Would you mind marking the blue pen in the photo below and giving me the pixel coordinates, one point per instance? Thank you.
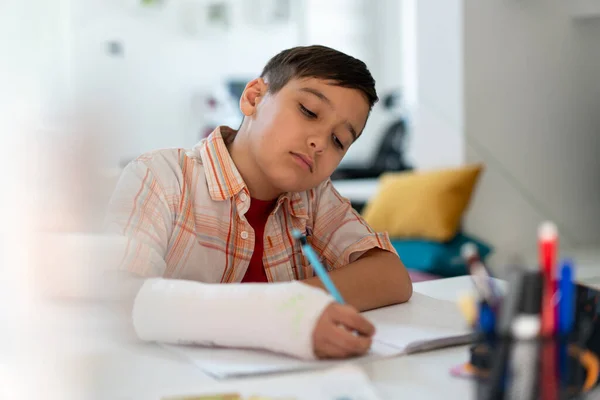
(566, 314)
(487, 319)
(318, 267)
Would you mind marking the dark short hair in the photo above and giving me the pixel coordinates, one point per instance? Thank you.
(319, 62)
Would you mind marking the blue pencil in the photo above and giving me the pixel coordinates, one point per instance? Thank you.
(318, 267)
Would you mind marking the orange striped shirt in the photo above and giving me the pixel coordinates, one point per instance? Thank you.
(182, 212)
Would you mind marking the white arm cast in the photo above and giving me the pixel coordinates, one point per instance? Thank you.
(275, 316)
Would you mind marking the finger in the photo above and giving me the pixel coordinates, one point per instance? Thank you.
(332, 350)
(335, 341)
(322, 344)
(351, 319)
(325, 347)
(354, 345)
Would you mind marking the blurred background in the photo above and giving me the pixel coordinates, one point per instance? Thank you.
(513, 86)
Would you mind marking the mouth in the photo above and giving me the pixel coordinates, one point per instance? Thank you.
(304, 161)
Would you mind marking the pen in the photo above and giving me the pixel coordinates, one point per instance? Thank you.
(525, 330)
(508, 310)
(486, 325)
(566, 314)
(479, 274)
(511, 302)
(318, 267)
(567, 298)
(487, 320)
(548, 243)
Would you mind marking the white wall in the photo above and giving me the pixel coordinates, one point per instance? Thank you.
(515, 85)
(369, 31)
(433, 81)
(35, 55)
(387, 26)
(341, 24)
(532, 101)
(145, 97)
(148, 92)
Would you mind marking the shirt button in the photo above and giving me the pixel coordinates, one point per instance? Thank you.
(244, 235)
(243, 197)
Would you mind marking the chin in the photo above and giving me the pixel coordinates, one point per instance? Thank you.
(293, 183)
(289, 187)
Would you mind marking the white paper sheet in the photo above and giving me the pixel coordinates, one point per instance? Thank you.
(423, 323)
(229, 363)
(345, 382)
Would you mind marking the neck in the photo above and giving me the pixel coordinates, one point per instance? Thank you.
(248, 168)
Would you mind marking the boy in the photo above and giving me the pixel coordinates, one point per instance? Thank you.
(224, 211)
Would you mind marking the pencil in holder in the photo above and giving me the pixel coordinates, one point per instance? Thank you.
(551, 368)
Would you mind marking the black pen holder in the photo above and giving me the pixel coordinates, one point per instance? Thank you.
(549, 368)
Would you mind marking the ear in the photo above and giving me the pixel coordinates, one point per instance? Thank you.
(253, 93)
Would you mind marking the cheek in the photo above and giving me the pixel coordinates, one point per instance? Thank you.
(284, 133)
(275, 113)
(271, 140)
(330, 163)
(286, 121)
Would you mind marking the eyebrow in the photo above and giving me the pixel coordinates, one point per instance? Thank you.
(324, 98)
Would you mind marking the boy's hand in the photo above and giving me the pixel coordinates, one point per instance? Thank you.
(333, 336)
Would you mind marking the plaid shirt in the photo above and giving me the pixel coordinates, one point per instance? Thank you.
(183, 215)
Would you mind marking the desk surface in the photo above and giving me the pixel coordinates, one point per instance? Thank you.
(84, 351)
(357, 190)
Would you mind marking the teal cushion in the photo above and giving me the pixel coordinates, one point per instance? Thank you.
(438, 258)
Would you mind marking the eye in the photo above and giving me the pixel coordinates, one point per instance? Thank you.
(337, 142)
(307, 112)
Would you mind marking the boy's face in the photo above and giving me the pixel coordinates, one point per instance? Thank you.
(300, 134)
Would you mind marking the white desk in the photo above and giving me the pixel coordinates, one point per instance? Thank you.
(357, 190)
(84, 351)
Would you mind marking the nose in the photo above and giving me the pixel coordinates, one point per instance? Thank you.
(317, 142)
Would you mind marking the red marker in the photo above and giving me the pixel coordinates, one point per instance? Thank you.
(548, 245)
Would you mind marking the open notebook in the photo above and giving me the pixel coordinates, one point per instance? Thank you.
(342, 382)
(422, 324)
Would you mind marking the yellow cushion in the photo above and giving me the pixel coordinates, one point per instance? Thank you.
(422, 204)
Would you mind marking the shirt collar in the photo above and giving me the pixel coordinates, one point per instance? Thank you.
(224, 180)
(222, 176)
(296, 204)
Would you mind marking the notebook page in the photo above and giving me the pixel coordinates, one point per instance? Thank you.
(343, 382)
(230, 362)
(422, 323)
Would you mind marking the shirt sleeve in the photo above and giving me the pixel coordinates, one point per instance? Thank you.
(138, 210)
(340, 234)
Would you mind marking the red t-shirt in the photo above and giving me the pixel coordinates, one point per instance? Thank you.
(257, 216)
